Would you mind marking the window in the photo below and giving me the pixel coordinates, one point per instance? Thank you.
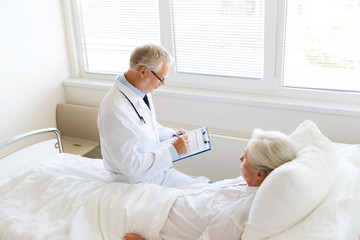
(211, 37)
(322, 45)
(110, 30)
(243, 45)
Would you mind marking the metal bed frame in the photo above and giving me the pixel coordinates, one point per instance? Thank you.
(34, 133)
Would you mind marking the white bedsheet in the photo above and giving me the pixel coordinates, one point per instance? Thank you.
(71, 197)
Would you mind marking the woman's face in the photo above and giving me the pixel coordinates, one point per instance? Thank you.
(248, 171)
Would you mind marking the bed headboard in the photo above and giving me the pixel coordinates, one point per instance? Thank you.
(26, 149)
(27, 139)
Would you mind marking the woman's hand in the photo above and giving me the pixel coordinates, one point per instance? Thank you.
(133, 236)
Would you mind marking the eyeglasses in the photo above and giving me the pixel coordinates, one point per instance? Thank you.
(161, 80)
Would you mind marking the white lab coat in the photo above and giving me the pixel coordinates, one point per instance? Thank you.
(130, 148)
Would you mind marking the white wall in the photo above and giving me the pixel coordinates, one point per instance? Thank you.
(221, 162)
(235, 115)
(33, 64)
(229, 118)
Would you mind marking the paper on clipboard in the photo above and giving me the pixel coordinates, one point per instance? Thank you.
(199, 143)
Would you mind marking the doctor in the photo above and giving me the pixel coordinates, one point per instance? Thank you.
(130, 136)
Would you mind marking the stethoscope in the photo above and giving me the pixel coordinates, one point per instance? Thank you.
(141, 118)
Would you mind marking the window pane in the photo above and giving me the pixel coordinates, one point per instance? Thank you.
(110, 30)
(222, 37)
(322, 45)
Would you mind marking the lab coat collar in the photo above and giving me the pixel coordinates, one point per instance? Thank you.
(133, 97)
(122, 79)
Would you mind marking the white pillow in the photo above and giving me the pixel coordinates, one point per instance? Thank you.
(294, 189)
(337, 216)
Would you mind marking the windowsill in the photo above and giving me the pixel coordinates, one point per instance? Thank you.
(296, 104)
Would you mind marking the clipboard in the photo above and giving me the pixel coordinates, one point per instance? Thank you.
(199, 143)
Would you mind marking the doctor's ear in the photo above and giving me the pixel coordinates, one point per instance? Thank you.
(142, 71)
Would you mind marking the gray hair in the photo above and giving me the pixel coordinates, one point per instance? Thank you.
(151, 56)
(270, 149)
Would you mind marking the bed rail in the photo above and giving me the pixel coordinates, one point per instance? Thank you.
(34, 133)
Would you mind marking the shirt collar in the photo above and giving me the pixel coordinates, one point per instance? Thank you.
(121, 78)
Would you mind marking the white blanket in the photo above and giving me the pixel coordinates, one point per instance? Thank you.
(71, 197)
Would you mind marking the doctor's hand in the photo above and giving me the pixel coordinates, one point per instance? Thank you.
(181, 132)
(181, 143)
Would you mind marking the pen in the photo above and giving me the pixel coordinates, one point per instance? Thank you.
(175, 135)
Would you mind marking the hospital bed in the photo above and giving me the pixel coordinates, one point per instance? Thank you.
(48, 194)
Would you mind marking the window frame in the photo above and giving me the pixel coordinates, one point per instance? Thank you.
(269, 86)
(211, 82)
(323, 96)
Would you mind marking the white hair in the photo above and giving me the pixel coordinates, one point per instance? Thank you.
(151, 56)
(270, 149)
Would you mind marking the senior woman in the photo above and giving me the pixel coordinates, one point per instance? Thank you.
(220, 210)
